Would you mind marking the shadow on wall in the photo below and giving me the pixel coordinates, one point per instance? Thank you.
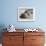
(2, 26)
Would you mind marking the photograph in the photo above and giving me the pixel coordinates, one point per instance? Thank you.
(26, 14)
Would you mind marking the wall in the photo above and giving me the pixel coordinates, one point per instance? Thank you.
(8, 13)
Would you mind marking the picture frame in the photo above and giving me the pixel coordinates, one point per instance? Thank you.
(26, 14)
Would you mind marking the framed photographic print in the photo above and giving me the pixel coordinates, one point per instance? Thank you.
(26, 14)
